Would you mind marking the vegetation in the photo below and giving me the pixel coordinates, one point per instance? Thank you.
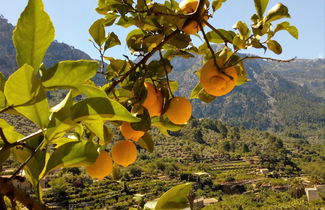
(81, 130)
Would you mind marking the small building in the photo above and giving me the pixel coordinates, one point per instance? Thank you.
(209, 201)
(313, 193)
(264, 171)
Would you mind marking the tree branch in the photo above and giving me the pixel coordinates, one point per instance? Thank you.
(9, 190)
(143, 61)
(267, 58)
(26, 161)
(217, 32)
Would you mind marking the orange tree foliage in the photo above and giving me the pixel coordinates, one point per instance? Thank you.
(138, 94)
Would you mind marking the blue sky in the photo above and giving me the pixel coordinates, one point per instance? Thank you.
(72, 19)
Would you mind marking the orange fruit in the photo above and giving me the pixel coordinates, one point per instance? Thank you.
(129, 133)
(154, 100)
(216, 83)
(102, 167)
(124, 153)
(188, 7)
(179, 110)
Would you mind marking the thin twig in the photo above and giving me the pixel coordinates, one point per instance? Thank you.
(267, 58)
(209, 46)
(166, 72)
(26, 161)
(102, 65)
(216, 30)
(3, 137)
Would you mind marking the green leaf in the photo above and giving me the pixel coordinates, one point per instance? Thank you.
(163, 124)
(3, 102)
(36, 164)
(238, 42)
(91, 91)
(277, 12)
(37, 112)
(98, 128)
(200, 93)
(23, 90)
(243, 30)
(69, 73)
(22, 86)
(60, 119)
(158, 68)
(145, 123)
(274, 46)
(2, 81)
(175, 198)
(214, 37)
(146, 142)
(242, 74)
(180, 41)
(216, 4)
(134, 40)
(260, 6)
(112, 40)
(101, 109)
(33, 35)
(97, 31)
(72, 154)
(9, 131)
(110, 18)
(286, 26)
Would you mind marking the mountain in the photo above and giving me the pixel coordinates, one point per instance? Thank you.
(277, 97)
(305, 72)
(268, 101)
(56, 52)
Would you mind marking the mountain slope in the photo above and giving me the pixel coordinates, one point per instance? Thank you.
(267, 101)
(56, 52)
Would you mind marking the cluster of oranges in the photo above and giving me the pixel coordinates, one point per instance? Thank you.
(214, 80)
(124, 152)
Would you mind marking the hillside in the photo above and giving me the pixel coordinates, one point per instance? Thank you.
(309, 73)
(268, 101)
(56, 52)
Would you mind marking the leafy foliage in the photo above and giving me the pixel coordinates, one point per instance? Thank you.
(67, 137)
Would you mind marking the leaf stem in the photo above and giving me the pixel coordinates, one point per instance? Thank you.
(166, 72)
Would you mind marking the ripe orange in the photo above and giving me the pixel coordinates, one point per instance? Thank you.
(179, 110)
(102, 167)
(154, 100)
(188, 7)
(124, 153)
(216, 83)
(129, 133)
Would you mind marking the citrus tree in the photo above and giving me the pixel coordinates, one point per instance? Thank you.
(138, 94)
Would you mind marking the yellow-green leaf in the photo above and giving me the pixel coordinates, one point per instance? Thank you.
(97, 31)
(175, 198)
(69, 73)
(33, 34)
(277, 12)
(260, 6)
(274, 46)
(101, 109)
(9, 131)
(71, 154)
(22, 86)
